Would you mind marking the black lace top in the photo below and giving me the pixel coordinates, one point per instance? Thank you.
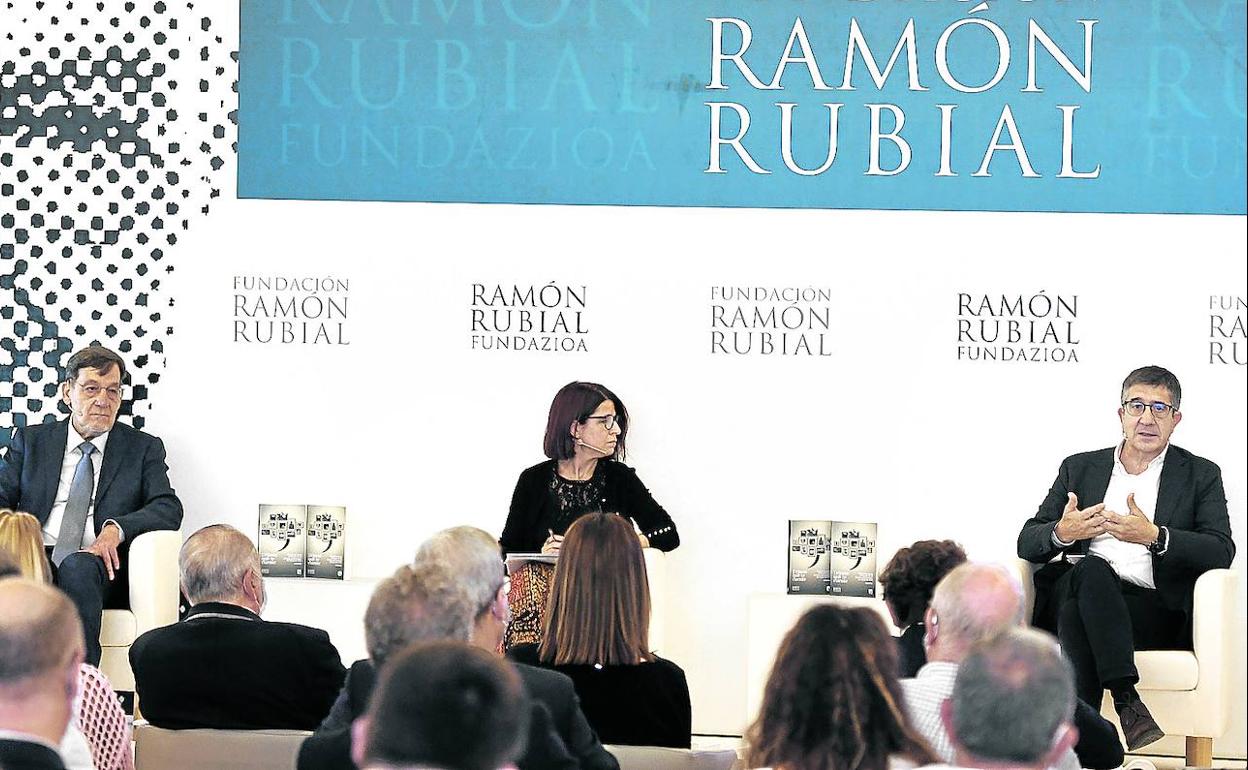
(574, 499)
(546, 502)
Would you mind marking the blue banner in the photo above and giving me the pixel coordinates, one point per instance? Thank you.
(1010, 105)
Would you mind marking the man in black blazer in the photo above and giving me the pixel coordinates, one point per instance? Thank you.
(40, 658)
(223, 666)
(94, 484)
(1141, 521)
(456, 590)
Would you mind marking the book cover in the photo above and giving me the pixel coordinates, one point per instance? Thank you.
(809, 557)
(281, 542)
(326, 543)
(853, 558)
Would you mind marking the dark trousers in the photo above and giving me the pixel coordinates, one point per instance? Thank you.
(83, 578)
(1102, 621)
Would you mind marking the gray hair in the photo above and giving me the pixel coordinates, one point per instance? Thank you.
(975, 602)
(39, 631)
(214, 561)
(1012, 695)
(419, 602)
(473, 556)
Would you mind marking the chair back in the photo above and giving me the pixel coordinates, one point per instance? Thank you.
(156, 748)
(662, 758)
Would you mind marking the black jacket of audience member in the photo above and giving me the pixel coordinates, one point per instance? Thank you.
(223, 667)
(642, 705)
(28, 755)
(558, 720)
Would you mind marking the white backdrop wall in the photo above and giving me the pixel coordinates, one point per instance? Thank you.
(413, 430)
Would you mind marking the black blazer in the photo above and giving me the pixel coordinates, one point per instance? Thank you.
(1190, 503)
(134, 487)
(28, 755)
(549, 746)
(224, 667)
(533, 508)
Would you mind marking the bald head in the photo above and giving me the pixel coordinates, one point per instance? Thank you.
(40, 634)
(972, 603)
(218, 564)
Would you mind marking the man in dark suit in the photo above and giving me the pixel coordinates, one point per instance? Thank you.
(418, 603)
(443, 704)
(94, 484)
(1153, 519)
(40, 655)
(456, 590)
(223, 666)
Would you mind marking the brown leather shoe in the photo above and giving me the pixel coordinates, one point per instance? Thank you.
(1138, 725)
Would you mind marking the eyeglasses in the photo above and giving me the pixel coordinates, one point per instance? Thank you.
(609, 421)
(92, 391)
(1136, 407)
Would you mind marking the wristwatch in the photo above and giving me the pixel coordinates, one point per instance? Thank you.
(1159, 546)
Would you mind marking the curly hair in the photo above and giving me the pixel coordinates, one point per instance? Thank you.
(833, 701)
(912, 574)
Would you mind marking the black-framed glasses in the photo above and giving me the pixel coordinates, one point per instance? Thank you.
(1135, 407)
(609, 421)
(91, 391)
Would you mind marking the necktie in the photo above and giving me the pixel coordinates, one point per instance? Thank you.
(74, 520)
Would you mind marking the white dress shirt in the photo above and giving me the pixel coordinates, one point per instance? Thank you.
(1132, 561)
(69, 462)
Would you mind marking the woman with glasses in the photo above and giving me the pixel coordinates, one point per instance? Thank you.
(585, 433)
(833, 701)
(597, 632)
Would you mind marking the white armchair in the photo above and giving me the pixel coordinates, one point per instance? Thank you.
(1188, 693)
(153, 565)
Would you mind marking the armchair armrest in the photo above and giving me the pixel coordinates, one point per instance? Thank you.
(1213, 637)
(153, 564)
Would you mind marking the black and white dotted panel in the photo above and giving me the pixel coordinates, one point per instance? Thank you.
(116, 132)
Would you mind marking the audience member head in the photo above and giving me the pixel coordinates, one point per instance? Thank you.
(599, 606)
(1013, 702)
(92, 389)
(220, 564)
(41, 652)
(418, 603)
(21, 537)
(472, 556)
(972, 603)
(572, 406)
(833, 701)
(444, 704)
(912, 574)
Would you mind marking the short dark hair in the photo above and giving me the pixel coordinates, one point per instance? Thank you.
(1012, 694)
(575, 402)
(93, 357)
(1156, 376)
(912, 574)
(449, 705)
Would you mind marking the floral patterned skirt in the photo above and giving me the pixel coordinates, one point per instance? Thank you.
(530, 587)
